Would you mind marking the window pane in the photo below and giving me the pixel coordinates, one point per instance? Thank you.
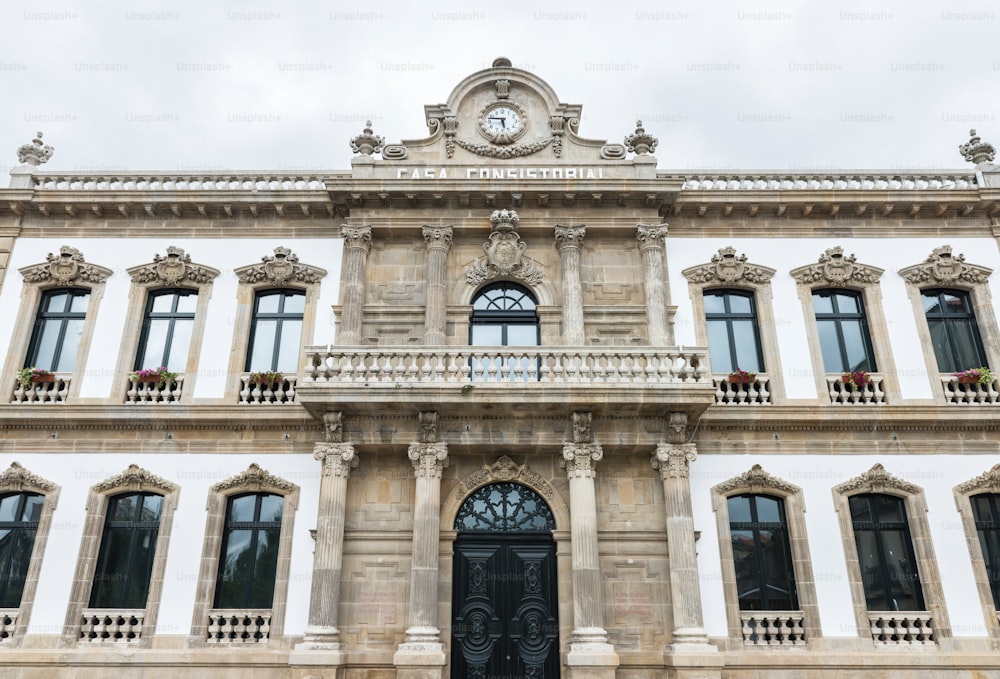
(177, 361)
(295, 303)
(235, 569)
(242, 508)
(79, 303)
(822, 303)
(8, 507)
(832, 360)
(854, 345)
(55, 302)
(487, 335)
(263, 345)
(271, 507)
(767, 510)
(163, 304)
(187, 302)
(112, 568)
(124, 508)
(739, 304)
(904, 584)
(262, 594)
(739, 509)
(748, 583)
(522, 335)
(288, 353)
(151, 507)
(966, 345)
(715, 304)
(268, 303)
(15, 555)
(71, 342)
(45, 350)
(745, 336)
(718, 347)
(156, 340)
(847, 304)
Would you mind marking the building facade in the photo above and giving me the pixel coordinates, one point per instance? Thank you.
(500, 402)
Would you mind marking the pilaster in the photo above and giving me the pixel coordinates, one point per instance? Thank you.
(357, 243)
(651, 239)
(569, 239)
(438, 241)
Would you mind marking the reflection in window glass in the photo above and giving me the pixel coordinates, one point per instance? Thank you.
(128, 545)
(885, 553)
(276, 331)
(954, 331)
(765, 580)
(166, 330)
(55, 338)
(843, 331)
(19, 516)
(733, 337)
(249, 558)
(986, 513)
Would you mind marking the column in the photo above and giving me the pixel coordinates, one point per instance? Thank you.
(422, 651)
(438, 240)
(650, 239)
(568, 241)
(590, 654)
(357, 242)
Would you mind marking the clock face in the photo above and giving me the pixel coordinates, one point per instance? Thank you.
(502, 120)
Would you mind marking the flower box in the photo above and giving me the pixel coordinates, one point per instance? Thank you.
(268, 379)
(968, 379)
(742, 379)
(43, 378)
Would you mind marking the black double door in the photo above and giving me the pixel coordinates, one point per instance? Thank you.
(505, 604)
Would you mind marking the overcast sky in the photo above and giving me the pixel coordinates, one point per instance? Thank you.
(187, 85)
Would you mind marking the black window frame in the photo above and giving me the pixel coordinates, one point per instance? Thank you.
(279, 316)
(43, 316)
(884, 573)
(137, 530)
(838, 317)
(173, 316)
(988, 532)
(507, 310)
(948, 321)
(8, 560)
(755, 526)
(256, 527)
(728, 317)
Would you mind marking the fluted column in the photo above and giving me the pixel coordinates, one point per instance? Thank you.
(589, 647)
(673, 462)
(438, 240)
(650, 239)
(357, 243)
(568, 240)
(422, 646)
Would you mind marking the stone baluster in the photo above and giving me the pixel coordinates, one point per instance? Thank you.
(422, 649)
(569, 240)
(590, 653)
(438, 241)
(357, 241)
(654, 266)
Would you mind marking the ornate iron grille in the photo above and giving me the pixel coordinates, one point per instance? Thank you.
(505, 507)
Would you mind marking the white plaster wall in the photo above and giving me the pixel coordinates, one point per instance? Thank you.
(77, 472)
(817, 475)
(119, 254)
(891, 254)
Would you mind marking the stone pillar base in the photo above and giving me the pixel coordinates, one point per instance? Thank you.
(691, 640)
(694, 660)
(320, 639)
(419, 660)
(591, 660)
(318, 658)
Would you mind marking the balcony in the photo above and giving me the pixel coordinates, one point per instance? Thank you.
(55, 391)
(280, 393)
(958, 393)
(507, 380)
(844, 394)
(755, 393)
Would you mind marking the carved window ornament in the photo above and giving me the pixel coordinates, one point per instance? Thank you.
(987, 482)
(756, 481)
(834, 268)
(17, 479)
(279, 269)
(504, 254)
(504, 469)
(135, 479)
(172, 269)
(66, 268)
(254, 479)
(943, 268)
(876, 480)
(728, 268)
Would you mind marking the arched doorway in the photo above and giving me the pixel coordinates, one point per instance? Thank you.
(504, 593)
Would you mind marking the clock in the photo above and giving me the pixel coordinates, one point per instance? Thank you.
(502, 122)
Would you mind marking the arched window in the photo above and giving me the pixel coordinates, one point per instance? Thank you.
(19, 517)
(885, 553)
(58, 328)
(276, 331)
(505, 507)
(249, 557)
(762, 556)
(504, 314)
(954, 331)
(733, 337)
(986, 512)
(843, 331)
(166, 329)
(128, 546)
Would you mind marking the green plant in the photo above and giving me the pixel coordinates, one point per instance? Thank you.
(981, 375)
(466, 388)
(858, 379)
(159, 375)
(25, 376)
(268, 377)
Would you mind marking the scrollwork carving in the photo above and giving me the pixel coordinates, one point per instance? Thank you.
(673, 460)
(135, 477)
(876, 480)
(65, 268)
(279, 269)
(357, 236)
(651, 235)
(837, 269)
(17, 478)
(756, 480)
(176, 267)
(941, 266)
(429, 459)
(253, 478)
(987, 481)
(338, 459)
(727, 268)
(503, 152)
(580, 459)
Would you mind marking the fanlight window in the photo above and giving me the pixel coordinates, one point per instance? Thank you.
(505, 507)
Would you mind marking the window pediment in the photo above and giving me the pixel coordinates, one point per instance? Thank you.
(876, 480)
(176, 267)
(988, 481)
(727, 268)
(17, 478)
(135, 478)
(254, 478)
(943, 268)
(834, 268)
(756, 480)
(280, 268)
(66, 268)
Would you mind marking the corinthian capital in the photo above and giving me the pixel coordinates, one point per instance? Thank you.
(357, 236)
(650, 235)
(429, 459)
(579, 459)
(673, 460)
(437, 237)
(338, 459)
(570, 236)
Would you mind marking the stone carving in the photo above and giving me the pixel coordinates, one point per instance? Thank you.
(974, 151)
(65, 268)
(613, 151)
(727, 268)
(429, 459)
(835, 268)
(35, 153)
(504, 253)
(988, 481)
(650, 235)
(135, 477)
(503, 152)
(338, 459)
(504, 469)
(367, 142)
(450, 124)
(943, 267)
(673, 460)
(280, 268)
(16, 478)
(876, 480)
(394, 152)
(582, 429)
(677, 427)
(639, 142)
(254, 478)
(570, 236)
(756, 479)
(557, 125)
(503, 88)
(579, 459)
(437, 236)
(175, 268)
(428, 426)
(357, 236)
(333, 423)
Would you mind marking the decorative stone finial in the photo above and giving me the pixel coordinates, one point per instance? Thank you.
(367, 142)
(504, 220)
(639, 142)
(976, 150)
(34, 153)
(502, 62)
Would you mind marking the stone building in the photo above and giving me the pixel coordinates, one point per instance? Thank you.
(500, 402)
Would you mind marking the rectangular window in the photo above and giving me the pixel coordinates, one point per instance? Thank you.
(128, 545)
(843, 331)
(885, 553)
(55, 338)
(954, 332)
(19, 517)
(733, 337)
(249, 558)
(276, 331)
(166, 330)
(762, 558)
